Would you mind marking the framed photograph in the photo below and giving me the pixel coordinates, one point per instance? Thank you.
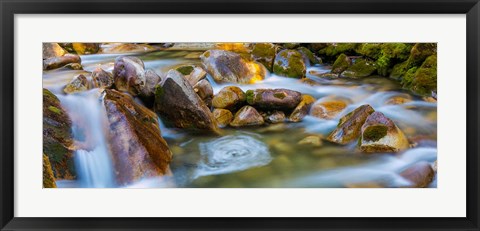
(239, 115)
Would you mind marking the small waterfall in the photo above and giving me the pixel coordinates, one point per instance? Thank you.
(92, 158)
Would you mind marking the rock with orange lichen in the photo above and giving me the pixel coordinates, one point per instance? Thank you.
(227, 66)
(136, 144)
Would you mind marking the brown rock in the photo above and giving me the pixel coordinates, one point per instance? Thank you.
(180, 106)
(302, 108)
(205, 91)
(223, 117)
(380, 134)
(230, 97)
(274, 99)
(137, 147)
(129, 74)
(247, 116)
(349, 126)
(275, 117)
(57, 137)
(193, 74)
(420, 174)
(78, 84)
(101, 78)
(52, 50)
(56, 62)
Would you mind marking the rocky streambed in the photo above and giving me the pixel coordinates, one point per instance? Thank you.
(239, 115)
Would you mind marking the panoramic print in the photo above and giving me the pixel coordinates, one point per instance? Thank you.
(239, 115)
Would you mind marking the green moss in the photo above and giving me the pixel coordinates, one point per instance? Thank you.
(374, 132)
(159, 91)
(383, 65)
(308, 55)
(185, 70)
(279, 95)
(421, 51)
(340, 64)
(54, 109)
(371, 50)
(250, 96)
(408, 77)
(290, 45)
(424, 80)
(334, 49)
(361, 68)
(289, 63)
(264, 53)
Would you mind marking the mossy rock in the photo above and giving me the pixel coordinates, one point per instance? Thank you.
(315, 47)
(289, 63)
(421, 51)
(57, 138)
(375, 132)
(264, 53)
(341, 64)
(389, 55)
(334, 49)
(185, 69)
(290, 45)
(361, 68)
(308, 56)
(371, 50)
(48, 177)
(422, 80)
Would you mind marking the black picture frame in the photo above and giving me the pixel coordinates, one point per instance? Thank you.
(10, 7)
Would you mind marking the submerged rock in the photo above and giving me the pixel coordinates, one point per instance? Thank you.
(264, 53)
(57, 137)
(129, 74)
(56, 62)
(72, 66)
(230, 98)
(420, 174)
(289, 63)
(349, 126)
(127, 48)
(273, 99)
(274, 117)
(226, 66)
(311, 140)
(180, 106)
(78, 84)
(380, 134)
(361, 68)
(52, 50)
(328, 109)
(137, 147)
(223, 117)
(48, 177)
(302, 108)
(341, 64)
(247, 116)
(101, 78)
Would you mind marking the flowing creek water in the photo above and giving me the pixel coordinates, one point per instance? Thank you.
(266, 156)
